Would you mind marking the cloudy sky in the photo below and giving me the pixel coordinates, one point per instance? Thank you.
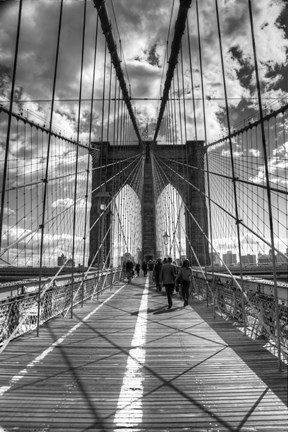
(143, 28)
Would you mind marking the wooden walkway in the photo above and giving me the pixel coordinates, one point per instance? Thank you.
(127, 363)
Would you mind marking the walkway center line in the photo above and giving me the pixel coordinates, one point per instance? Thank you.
(39, 358)
(129, 408)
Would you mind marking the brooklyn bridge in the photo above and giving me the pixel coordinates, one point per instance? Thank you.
(134, 132)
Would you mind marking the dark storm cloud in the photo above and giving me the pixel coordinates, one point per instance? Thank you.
(283, 21)
(245, 70)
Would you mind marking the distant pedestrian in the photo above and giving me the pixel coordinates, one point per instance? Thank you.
(184, 277)
(137, 269)
(144, 268)
(150, 266)
(156, 274)
(129, 270)
(167, 276)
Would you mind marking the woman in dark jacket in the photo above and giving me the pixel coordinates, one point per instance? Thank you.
(184, 277)
(156, 274)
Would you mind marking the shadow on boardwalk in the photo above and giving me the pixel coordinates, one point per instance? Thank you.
(252, 352)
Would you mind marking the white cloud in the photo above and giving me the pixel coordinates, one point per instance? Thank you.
(281, 151)
(236, 154)
(141, 25)
(63, 203)
(277, 167)
(254, 152)
(8, 211)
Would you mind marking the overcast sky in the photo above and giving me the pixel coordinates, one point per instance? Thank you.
(143, 28)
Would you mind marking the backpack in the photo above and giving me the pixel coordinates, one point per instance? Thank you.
(185, 275)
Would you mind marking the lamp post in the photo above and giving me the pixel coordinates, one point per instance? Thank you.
(166, 241)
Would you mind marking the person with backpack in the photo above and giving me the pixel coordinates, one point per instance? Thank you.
(184, 278)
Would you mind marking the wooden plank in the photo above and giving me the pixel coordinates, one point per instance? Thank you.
(198, 374)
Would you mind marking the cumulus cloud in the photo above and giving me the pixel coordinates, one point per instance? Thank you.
(8, 211)
(68, 203)
(63, 203)
(144, 34)
(236, 153)
(277, 168)
(254, 152)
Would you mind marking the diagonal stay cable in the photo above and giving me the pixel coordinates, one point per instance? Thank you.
(106, 27)
(175, 48)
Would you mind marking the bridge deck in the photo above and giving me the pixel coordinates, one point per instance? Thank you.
(126, 362)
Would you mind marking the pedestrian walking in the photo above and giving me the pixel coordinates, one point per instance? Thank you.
(137, 269)
(129, 270)
(156, 274)
(167, 277)
(144, 268)
(184, 278)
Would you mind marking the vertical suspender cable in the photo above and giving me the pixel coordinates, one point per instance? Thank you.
(186, 186)
(5, 168)
(89, 151)
(109, 102)
(175, 112)
(77, 154)
(24, 191)
(170, 125)
(205, 128)
(192, 80)
(278, 331)
(183, 89)
(179, 102)
(234, 179)
(103, 94)
(101, 221)
(31, 189)
(45, 181)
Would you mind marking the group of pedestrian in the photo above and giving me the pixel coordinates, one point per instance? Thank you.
(171, 276)
(165, 273)
(130, 271)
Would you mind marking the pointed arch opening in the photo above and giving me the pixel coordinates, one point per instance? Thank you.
(170, 224)
(126, 227)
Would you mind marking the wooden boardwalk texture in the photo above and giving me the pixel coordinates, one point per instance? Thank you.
(127, 363)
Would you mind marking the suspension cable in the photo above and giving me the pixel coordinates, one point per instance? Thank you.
(5, 168)
(269, 201)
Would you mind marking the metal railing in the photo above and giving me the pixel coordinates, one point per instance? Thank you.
(19, 314)
(253, 308)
